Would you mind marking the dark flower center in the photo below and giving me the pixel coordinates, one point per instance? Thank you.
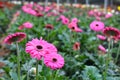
(39, 47)
(54, 60)
(97, 25)
(76, 46)
(15, 38)
(73, 28)
(66, 21)
(112, 33)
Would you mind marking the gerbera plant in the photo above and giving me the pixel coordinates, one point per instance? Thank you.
(16, 37)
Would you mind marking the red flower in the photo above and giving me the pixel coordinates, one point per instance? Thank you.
(76, 46)
(49, 26)
(74, 27)
(116, 39)
(16, 37)
(111, 32)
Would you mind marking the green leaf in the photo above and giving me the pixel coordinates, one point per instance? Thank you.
(13, 75)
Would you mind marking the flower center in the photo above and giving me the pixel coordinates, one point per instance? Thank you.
(73, 28)
(54, 60)
(15, 38)
(97, 25)
(76, 46)
(39, 47)
(111, 33)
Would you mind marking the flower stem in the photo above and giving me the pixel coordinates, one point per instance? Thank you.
(28, 75)
(118, 52)
(37, 62)
(56, 74)
(18, 61)
(107, 61)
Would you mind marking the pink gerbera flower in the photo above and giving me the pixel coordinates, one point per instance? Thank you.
(16, 37)
(97, 26)
(54, 61)
(28, 25)
(101, 48)
(91, 13)
(39, 48)
(36, 48)
(50, 48)
(25, 25)
(73, 27)
(101, 37)
(74, 20)
(109, 15)
(65, 21)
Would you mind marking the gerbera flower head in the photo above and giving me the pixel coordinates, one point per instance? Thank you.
(74, 27)
(39, 14)
(16, 37)
(101, 37)
(109, 15)
(101, 48)
(75, 20)
(91, 13)
(76, 46)
(50, 49)
(65, 21)
(39, 48)
(25, 25)
(28, 25)
(28, 9)
(49, 26)
(36, 48)
(47, 9)
(98, 18)
(97, 26)
(54, 61)
(111, 32)
(62, 17)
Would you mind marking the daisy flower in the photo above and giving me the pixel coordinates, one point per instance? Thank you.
(73, 27)
(39, 48)
(49, 26)
(54, 61)
(76, 46)
(97, 26)
(25, 25)
(111, 32)
(16, 37)
(36, 48)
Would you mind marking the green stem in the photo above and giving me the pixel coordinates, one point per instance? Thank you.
(56, 74)
(118, 53)
(71, 37)
(107, 60)
(18, 61)
(28, 75)
(37, 62)
(48, 32)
